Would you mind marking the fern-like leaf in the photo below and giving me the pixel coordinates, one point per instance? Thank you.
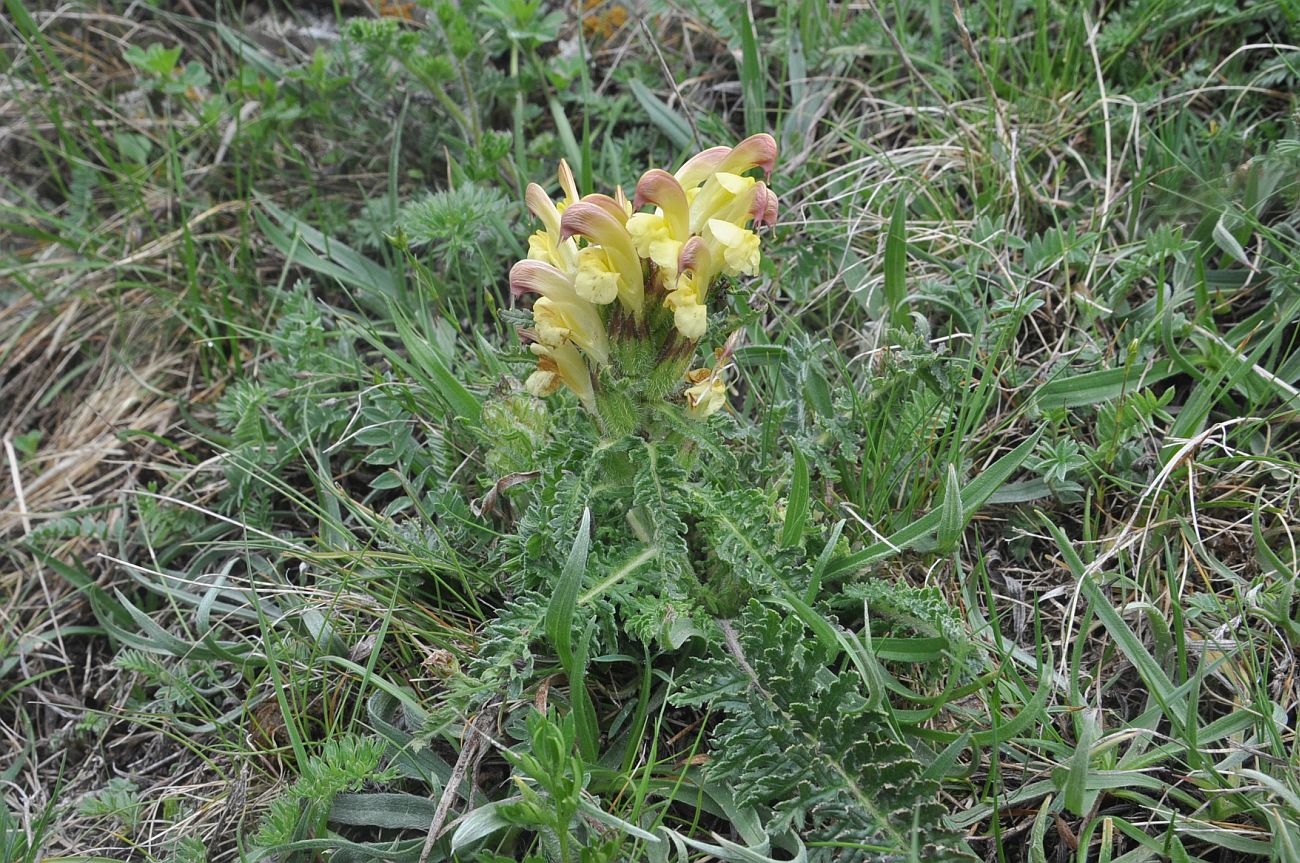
(801, 737)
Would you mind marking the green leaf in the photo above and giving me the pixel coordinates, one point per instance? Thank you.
(432, 372)
(819, 393)
(1076, 781)
(1224, 239)
(483, 821)
(1129, 644)
(666, 119)
(823, 561)
(942, 765)
(1038, 833)
(896, 260)
(302, 244)
(973, 496)
(796, 504)
(752, 81)
(564, 602)
(1091, 388)
(951, 520)
(1022, 491)
(384, 810)
(560, 619)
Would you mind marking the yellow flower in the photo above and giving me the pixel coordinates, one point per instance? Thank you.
(690, 315)
(558, 364)
(701, 166)
(546, 245)
(650, 233)
(568, 184)
(560, 313)
(660, 235)
(723, 196)
(756, 151)
(543, 382)
(680, 231)
(610, 261)
(707, 393)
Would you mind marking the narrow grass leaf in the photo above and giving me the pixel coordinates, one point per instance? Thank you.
(433, 372)
(664, 118)
(896, 260)
(941, 766)
(823, 561)
(796, 504)
(1076, 780)
(1092, 388)
(332, 257)
(560, 619)
(951, 520)
(973, 496)
(564, 601)
(1037, 834)
(752, 80)
(1129, 644)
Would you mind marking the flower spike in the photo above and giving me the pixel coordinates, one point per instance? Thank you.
(658, 255)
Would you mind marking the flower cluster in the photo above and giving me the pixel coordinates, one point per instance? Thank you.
(624, 286)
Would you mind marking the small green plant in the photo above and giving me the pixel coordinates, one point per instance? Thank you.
(551, 779)
(119, 800)
(342, 764)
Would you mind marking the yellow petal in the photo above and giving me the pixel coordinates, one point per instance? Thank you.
(590, 220)
(542, 383)
(707, 396)
(568, 184)
(561, 302)
(596, 280)
(739, 247)
(552, 328)
(722, 196)
(692, 321)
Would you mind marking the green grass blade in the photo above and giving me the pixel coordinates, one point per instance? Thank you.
(796, 504)
(664, 118)
(896, 261)
(752, 80)
(433, 372)
(973, 496)
(951, 520)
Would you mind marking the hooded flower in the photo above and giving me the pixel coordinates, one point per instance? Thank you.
(546, 245)
(660, 235)
(560, 314)
(707, 393)
(687, 299)
(608, 266)
(561, 364)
